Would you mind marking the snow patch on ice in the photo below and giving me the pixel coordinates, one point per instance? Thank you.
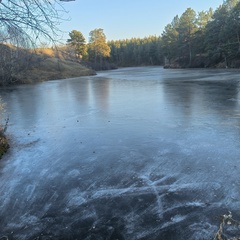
(74, 173)
(75, 198)
(29, 191)
(175, 219)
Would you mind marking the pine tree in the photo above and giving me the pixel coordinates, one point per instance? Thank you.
(77, 41)
(98, 45)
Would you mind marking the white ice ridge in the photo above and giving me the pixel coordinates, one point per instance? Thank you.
(151, 188)
(131, 191)
(76, 197)
(152, 185)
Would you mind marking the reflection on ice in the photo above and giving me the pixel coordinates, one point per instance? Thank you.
(137, 153)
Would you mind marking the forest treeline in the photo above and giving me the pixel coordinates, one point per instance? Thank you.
(136, 51)
(204, 39)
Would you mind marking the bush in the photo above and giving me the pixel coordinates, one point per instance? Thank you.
(4, 145)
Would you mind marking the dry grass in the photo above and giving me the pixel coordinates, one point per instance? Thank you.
(27, 66)
(45, 51)
(228, 229)
(52, 68)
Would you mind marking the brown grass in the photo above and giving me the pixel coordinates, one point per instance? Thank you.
(52, 68)
(227, 221)
(40, 64)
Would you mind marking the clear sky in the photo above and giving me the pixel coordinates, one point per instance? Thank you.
(121, 19)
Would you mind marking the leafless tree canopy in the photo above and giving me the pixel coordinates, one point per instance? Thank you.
(26, 21)
(25, 24)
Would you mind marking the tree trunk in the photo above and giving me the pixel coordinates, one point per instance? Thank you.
(190, 54)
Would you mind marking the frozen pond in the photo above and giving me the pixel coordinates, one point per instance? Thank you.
(135, 153)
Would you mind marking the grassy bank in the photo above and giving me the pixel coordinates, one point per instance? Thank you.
(52, 68)
(28, 66)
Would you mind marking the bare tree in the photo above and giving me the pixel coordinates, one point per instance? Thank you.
(26, 21)
(24, 24)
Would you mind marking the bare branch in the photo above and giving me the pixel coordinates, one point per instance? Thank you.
(24, 24)
(32, 19)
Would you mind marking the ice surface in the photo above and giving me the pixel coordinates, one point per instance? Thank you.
(136, 153)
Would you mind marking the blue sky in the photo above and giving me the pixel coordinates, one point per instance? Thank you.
(123, 19)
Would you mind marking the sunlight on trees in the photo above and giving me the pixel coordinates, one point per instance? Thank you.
(98, 47)
(77, 41)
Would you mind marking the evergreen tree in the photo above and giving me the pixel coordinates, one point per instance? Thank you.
(215, 37)
(202, 20)
(170, 39)
(98, 46)
(187, 28)
(77, 41)
(136, 51)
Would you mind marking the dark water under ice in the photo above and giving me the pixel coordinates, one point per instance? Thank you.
(134, 153)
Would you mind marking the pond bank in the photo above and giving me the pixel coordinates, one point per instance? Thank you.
(4, 145)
